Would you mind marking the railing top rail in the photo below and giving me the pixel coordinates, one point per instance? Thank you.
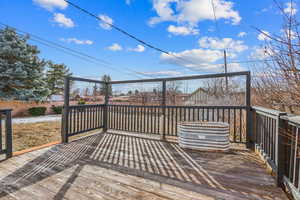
(168, 106)
(268, 111)
(293, 119)
(72, 78)
(203, 76)
(5, 110)
(86, 105)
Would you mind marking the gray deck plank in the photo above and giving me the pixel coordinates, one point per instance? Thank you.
(115, 166)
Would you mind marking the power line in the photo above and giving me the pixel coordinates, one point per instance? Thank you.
(72, 52)
(159, 49)
(76, 53)
(252, 61)
(102, 62)
(219, 35)
(146, 43)
(127, 33)
(215, 18)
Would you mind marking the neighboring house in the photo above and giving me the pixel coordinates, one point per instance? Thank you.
(198, 97)
(153, 98)
(145, 98)
(205, 97)
(174, 98)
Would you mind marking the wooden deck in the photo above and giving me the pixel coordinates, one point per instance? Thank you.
(118, 166)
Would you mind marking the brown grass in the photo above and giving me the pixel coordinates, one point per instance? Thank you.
(30, 135)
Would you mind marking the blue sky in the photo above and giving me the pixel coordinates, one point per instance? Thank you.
(186, 28)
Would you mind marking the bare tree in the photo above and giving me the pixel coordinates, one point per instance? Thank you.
(278, 84)
(173, 90)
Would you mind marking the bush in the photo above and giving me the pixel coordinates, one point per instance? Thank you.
(81, 102)
(57, 109)
(37, 111)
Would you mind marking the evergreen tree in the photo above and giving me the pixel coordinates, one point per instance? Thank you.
(55, 77)
(106, 78)
(21, 70)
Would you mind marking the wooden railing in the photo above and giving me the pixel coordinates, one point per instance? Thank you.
(276, 137)
(163, 120)
(6, 132)
(266, 133)
(288, 155)
(84, 118)
(143, 119)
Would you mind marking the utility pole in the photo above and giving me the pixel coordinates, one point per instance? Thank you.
(225, 65)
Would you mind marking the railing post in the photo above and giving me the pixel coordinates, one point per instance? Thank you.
(254, 127)
(280, 157)
(8, 134)
(249, 133)
(164, 95)
(65, 117)
(105, 116)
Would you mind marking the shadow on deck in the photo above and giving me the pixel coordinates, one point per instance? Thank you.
(116, 166)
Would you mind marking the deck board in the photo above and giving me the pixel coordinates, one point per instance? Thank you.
(120, 166)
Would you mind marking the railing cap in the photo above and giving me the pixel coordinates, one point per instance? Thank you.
(293, 119)
(85, 106)
(6, 110)
(269, 111)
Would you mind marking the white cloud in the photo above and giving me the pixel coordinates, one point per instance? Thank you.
(106, 21)
(199, 59)
(115, 47)
(263, 36)
(182, 30)
(234, 67)
(51, 4)
(193, 58)
(162, 73)
(208, 56)
(193, 11)
(264, 10)
(138, 48)
(63, 21)
(128, 2)
(260, 53)
(242, 34)
(77, 41)
(163, 10)
(225, 43)
(290, 8)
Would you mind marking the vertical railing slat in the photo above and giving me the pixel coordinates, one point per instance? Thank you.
(1, 132)
(295, 155)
